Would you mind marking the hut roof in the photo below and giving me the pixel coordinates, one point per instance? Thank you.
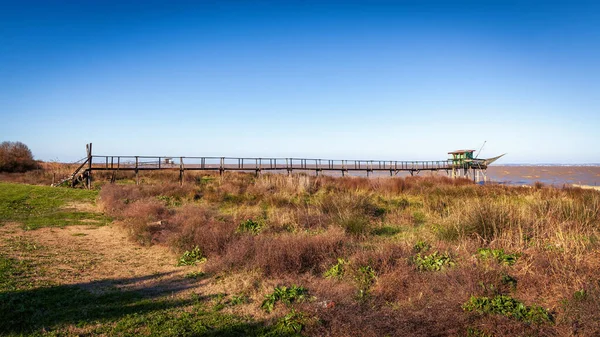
(460, 151)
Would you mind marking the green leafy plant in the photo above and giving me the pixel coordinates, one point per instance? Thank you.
(250, 226)
(433, 262)
(509, 307)
(337, 270)
(290, 324)
(509, 281)
(365, 278)
(421, 246)
(580, 295)
(170, 201)
(195, 275)
(191, 257)
(239, 299)
(287, 295)
(498, 255)
(219, 301)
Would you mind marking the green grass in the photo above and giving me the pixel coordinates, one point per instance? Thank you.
(64, 310)
(12, 273)
(61, 309)
(386, 231)
(43, 206)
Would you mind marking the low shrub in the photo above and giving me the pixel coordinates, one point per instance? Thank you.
(191, 257)
(293, 253)
(498, 255)
(336, 271)
(195, 225)
(364, 277)
(421, 246)
(357, 226)
(290, 324)
(286, 295)
(509, 307)
(249, 226)
(433, 262)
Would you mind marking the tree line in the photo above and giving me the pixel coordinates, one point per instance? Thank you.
(16, 157)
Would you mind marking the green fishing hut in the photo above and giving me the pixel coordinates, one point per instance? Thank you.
(461, 157)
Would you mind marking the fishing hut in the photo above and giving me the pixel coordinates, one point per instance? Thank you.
(465, 165)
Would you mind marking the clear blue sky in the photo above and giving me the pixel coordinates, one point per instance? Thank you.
(340, 79)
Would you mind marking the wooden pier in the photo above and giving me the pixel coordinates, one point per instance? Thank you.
(139, 164)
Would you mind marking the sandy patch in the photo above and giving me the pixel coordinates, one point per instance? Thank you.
(96, 258)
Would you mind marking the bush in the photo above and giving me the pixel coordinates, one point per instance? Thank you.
(510, 307)
(336, 271)
(16, 157)
(283, 254)
(191, 257)
(249, 226)
(433, 262)
(498, 255)
(287, 295)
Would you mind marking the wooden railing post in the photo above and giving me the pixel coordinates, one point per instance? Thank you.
(137, 175)
(89, 174)
(181, 171)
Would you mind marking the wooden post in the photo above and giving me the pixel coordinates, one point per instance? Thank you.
(180, 171)
(89, 175)
(137, 176)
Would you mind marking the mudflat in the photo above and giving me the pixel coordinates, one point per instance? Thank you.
(552, 175)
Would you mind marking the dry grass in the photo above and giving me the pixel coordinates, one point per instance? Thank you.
(305, 224)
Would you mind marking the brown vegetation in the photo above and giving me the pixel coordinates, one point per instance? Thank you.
(390, 233)
(16, 157)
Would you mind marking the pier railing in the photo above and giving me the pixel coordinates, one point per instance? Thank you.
(144, 163)
(222, 164)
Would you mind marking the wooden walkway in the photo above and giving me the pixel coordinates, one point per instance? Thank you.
(138, 164)
(223, 164)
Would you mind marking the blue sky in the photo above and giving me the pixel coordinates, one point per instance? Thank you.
(404, 80)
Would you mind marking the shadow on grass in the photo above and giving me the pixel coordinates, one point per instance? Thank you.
(100, 308)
